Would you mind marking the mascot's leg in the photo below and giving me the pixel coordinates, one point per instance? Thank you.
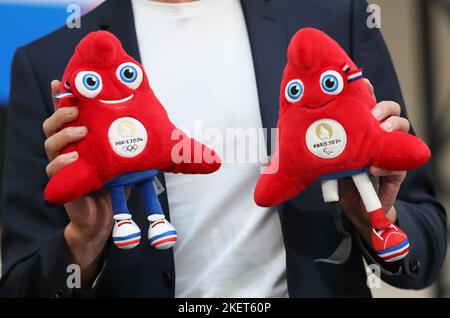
(126, 234)
(161, 233)
(388, 240)
(331, 196)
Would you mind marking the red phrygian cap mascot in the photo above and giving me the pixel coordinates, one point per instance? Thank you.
(130, 138)
(327, 132)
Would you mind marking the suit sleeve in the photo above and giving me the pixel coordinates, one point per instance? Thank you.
(420, 214)
(34, 252)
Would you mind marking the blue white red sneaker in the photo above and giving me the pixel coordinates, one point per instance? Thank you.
(390, 243)
(126, 234)
(161, 233)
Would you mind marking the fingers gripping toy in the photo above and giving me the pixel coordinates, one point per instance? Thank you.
(327, 131)
(130, 138)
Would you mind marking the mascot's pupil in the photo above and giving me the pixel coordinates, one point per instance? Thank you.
(329, 82)
(128, 73)
(295, 90)
(91, 81)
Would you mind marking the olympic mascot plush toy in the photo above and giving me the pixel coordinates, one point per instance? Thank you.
(130, 138)
(326, 131)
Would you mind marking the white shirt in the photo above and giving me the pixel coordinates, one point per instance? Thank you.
(198, 59)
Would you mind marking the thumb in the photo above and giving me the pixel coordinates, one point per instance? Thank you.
(55, 85)
(370, 87)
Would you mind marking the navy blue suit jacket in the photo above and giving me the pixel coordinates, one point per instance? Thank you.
(34, 252)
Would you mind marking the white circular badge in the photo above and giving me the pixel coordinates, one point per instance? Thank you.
(326, 138)
(127, 137)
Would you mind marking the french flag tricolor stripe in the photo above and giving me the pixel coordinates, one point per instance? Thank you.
(163, 240)
(394, 250)
(129, 242)
(400, 251)
(128, 237)
(355, 76)
(163, 235)
(397, 256)
(346, 68)
(63, 95)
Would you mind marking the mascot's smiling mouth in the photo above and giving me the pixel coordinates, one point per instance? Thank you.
(117, 101)
(319, 106)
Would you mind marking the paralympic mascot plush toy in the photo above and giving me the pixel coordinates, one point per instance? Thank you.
(326, 131)
(130, 138)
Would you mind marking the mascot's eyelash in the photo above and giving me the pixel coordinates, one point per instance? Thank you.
(346, 68)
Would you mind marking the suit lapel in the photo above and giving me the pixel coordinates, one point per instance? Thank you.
(118, 19)
(268, 40)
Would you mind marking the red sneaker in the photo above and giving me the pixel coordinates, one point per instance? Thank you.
(388, 240)
(390, 243)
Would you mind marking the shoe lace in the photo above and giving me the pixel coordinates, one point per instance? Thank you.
(380, 231)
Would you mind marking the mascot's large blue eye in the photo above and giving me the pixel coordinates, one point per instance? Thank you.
(91, 81)
(294, 91)
(129, 74)
(88, 83)
(331, 82)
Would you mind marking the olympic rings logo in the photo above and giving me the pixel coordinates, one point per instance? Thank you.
(130, 148)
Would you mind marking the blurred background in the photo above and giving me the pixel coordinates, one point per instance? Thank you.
(417, 33)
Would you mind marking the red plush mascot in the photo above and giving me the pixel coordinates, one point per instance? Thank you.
(130, 138)
(327, 131)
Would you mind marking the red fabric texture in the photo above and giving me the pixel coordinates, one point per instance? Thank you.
(311, 53)
(102, 53)
(378, 219)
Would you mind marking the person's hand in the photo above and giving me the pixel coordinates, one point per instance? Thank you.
(90, 216)
(388, 113)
